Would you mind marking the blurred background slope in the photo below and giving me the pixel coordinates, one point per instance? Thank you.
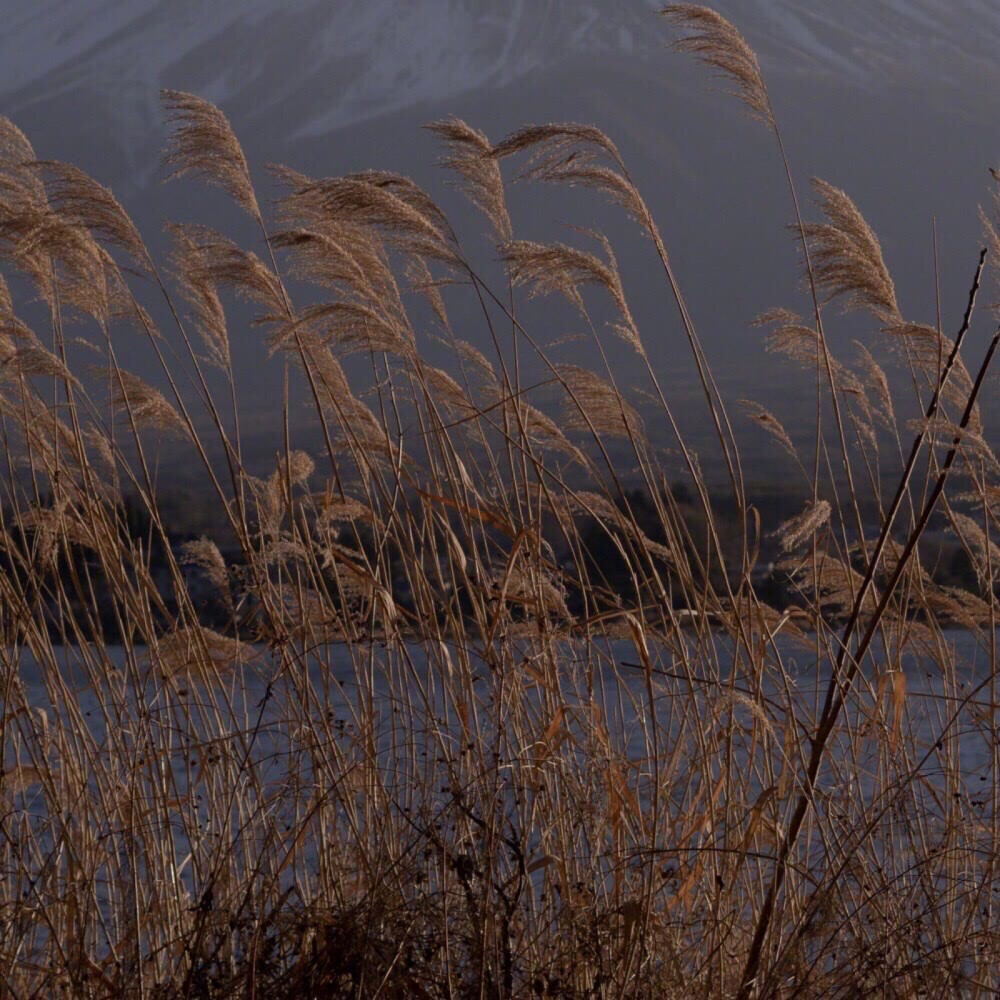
(896, 101)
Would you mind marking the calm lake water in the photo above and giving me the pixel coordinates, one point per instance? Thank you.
(946, 736)
(343, 680)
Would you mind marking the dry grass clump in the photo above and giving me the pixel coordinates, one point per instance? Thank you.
(464, 699)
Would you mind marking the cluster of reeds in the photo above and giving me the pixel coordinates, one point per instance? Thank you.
(428, 747)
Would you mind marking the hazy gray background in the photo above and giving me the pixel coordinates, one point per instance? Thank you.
(896, 101)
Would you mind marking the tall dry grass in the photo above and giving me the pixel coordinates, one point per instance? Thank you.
(429, 748)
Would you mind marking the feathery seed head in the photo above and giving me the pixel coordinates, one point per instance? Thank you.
(555, 267)
(202, 142)
(765, 419)
(847, 257)
(469, 156)
(595, 405)
(205, 555)
(148, 406)
(80, 199)
(716, 42)
(804, 525)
